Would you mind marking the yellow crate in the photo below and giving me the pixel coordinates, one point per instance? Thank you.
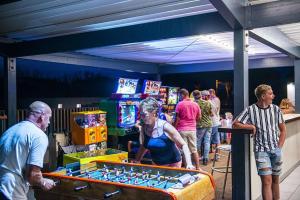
(101, 154)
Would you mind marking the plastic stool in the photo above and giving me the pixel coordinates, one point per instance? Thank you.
(222, 169)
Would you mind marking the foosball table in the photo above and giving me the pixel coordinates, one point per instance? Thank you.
(128, 181)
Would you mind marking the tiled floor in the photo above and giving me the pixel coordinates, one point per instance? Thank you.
(219, 179)
(290, 186)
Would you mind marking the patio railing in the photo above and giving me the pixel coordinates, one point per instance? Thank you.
(60, 118)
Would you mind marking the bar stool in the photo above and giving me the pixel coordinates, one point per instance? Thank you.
(222, 169)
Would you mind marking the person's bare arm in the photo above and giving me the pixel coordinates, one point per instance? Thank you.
(199, 115)
(140, 154)
(282, 135)
(237, 124)
(176, 137)
(35, 178)
(3, 117)
(211, 113)
(219, 105)
(142, 150)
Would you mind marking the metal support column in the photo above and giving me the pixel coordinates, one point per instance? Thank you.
(241, 188)
(10, 90)
(297, 84)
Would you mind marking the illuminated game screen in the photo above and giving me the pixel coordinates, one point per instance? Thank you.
(163, 93)
(173, 95)
(127, 115)
(151, 87)
(127, 86)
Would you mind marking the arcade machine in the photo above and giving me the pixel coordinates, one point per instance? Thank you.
(173, 99)
(169, 98)
(163, 92)
(128, 181)
(89, 133)
(122, 113)
(151, 88)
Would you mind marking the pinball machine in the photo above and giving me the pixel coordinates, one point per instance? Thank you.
(128, 181)
(169, 98)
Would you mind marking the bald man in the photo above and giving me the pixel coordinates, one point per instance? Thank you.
(22, 150)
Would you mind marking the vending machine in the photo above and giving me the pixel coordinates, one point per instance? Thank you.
(88, 127)
(89, 133)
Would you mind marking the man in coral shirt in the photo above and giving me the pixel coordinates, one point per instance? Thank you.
(187, 113)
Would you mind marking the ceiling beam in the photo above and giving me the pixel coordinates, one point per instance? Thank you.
(225, 65)
(260, 15)
(240, 15)
(95, 61)
(274, 38)
(233, 12)
(180, 27)
(274, 13)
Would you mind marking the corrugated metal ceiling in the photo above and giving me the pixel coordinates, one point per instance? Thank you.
(35, 19)
(292, 31)
(181, 50)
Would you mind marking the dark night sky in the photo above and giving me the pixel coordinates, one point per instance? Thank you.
(39, 79)
(278, 78)
(49, 80)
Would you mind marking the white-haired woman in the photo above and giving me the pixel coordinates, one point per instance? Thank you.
(160, 138)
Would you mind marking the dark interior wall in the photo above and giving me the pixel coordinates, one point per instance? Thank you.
(278, 78)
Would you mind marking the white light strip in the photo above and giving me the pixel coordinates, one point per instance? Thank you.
(225, 45)
(129, 70)
(211, 39)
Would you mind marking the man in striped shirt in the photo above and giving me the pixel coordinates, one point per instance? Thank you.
(266, 121)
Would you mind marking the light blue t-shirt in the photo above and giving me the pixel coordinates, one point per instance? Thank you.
(23, 143)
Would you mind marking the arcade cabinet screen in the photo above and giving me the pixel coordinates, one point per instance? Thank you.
(163, 93)
(127, 115)
(151, 87)
(173, 95)
(127, 86)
